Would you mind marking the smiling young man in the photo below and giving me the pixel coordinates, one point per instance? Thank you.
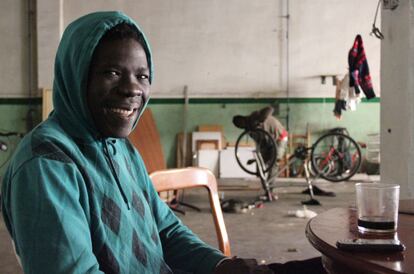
(77, 196)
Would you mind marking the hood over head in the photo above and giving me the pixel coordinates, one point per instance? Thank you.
(73, 59)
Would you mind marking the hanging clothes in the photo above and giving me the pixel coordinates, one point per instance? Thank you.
(348, 90)
(345, 97)
(360, 78)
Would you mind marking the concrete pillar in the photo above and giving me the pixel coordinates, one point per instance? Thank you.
(397, 97)
(49, 30)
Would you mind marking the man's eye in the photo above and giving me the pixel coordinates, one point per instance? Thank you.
(142, 76)
(111, 73)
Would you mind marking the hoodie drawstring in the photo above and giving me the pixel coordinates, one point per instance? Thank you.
(111, 163)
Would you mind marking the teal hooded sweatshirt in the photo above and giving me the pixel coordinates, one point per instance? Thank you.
(75, 202)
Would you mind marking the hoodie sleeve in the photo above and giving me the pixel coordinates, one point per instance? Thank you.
(183, 250)
(47, 219)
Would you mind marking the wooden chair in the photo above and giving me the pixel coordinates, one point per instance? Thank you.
(299, 139)
(294, 141)
(192, 177)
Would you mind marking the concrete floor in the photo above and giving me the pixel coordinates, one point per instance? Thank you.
(271, 234)
(268, 234)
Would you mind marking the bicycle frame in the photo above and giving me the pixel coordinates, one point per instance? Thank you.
(337, 158)
(340, 160)
(327, 161)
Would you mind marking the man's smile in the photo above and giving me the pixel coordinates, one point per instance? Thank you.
(121, 112)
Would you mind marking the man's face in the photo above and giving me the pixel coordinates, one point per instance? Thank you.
(118, 86)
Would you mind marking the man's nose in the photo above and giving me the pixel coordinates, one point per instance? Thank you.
(129, 87)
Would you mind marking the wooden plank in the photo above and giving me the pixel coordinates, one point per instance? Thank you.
(145, 137)
(47, 103)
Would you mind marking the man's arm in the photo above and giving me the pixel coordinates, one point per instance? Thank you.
(49, 227)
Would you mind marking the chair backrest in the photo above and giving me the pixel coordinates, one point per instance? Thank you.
(299, 139)
(191, 177)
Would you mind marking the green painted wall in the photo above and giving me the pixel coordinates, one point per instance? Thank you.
(317, 112)
(169, 113)
(14, 118)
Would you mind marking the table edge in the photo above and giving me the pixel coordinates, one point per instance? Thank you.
(341, 257)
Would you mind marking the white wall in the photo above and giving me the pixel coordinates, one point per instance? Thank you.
(397, 100)
(218, 48)
(322, 33)
(49, 29)
(238, 47)
(13, 48)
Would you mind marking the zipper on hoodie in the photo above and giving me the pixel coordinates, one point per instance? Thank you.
(111, 164)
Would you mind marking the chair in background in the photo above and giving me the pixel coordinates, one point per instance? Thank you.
(192, 177)
(300, 139)
(294, 141)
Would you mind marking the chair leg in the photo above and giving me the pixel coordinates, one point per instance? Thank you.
(190, 206)
(174, 205)
(177, 202)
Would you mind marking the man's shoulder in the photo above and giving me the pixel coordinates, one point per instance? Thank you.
(46, 140)
(49, 129)
(49, 133)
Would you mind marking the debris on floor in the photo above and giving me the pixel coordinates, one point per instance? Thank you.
(239, 206)
(302, 213)
(234, 206)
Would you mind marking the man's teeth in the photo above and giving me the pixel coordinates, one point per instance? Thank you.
(121, 111)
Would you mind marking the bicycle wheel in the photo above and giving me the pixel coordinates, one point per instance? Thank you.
(336, 157)
(263, 149)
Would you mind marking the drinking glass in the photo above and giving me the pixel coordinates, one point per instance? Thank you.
(377, 207)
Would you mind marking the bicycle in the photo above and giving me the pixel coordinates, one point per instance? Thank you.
(335, 156)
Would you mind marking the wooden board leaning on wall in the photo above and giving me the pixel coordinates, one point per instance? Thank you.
(47, 102)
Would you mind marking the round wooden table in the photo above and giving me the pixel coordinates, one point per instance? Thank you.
(340, 223)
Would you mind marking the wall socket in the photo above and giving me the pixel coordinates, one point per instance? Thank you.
(390, 4)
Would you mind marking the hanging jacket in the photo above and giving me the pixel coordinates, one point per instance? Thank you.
(76, 202)
(359, 70)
